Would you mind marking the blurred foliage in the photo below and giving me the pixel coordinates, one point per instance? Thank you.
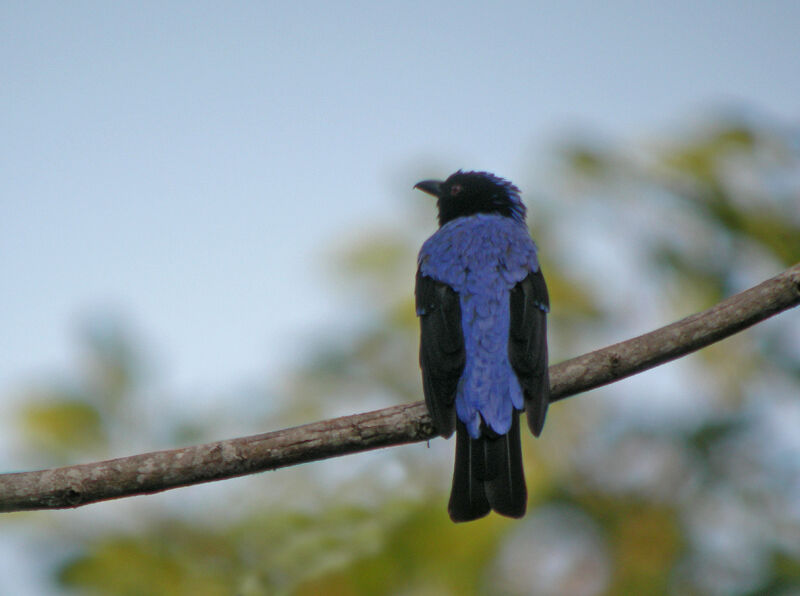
(95, 413)
(63, 426)
(693, 487)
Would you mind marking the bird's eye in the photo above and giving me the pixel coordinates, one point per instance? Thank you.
(455, 190)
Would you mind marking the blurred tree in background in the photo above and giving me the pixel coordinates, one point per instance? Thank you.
(681, 480)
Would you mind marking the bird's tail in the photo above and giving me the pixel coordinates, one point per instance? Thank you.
(488, 474)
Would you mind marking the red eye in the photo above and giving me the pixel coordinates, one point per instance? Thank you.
(455, 190)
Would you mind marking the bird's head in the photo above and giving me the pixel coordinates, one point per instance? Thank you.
(469, 193)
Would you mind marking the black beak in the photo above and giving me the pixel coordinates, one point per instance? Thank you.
(432, 187)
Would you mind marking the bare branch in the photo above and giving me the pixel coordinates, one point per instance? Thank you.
(147, 473)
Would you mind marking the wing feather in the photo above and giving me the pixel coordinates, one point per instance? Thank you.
(527, 347)
(441, 352)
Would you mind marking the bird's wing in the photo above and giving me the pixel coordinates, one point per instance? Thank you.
(441, 350)
(527, 347)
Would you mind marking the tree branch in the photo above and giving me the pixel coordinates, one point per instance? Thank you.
(73, 486)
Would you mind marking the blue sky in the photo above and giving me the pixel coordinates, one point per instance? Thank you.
(188, 166)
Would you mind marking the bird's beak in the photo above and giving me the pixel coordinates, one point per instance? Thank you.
(432, 187)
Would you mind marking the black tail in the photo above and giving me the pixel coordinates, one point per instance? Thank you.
(488, 475)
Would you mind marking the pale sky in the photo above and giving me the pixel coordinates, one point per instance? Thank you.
(188, 165)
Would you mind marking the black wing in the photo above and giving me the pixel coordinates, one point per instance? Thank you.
(441, 349)
(527, 346)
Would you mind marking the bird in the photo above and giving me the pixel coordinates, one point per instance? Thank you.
(482, 304)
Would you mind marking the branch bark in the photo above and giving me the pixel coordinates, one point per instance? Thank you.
(74, 486)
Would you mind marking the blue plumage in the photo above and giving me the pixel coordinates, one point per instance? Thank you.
(482, 301)
(482, 257)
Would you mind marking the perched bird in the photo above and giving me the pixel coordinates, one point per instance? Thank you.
(482, 302)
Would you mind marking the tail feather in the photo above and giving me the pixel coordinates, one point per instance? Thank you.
(506, 491)
(488, 475)
(467, 497)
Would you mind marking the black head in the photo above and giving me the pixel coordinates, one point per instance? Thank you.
(469, 193)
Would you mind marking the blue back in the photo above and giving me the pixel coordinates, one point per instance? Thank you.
(482, 257)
